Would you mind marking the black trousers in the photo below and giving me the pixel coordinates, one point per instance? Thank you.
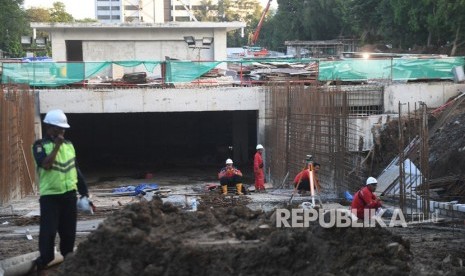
(304, 185)
(231, 181)
(58, 213)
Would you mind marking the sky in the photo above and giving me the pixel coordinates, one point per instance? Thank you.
(81, 9)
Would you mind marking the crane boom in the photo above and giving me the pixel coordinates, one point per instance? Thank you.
(260, 23)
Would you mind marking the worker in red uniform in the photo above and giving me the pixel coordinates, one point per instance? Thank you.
(302, 179)
(230, 176)
(366, 199)
(258, 169)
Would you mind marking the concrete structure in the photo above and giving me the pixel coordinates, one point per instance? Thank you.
(101, 42)
(233, 116)
(433, 94)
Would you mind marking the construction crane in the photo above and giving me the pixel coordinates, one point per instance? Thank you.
(251, 48)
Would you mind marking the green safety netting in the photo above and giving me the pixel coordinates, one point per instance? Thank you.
(250, 61)
(403, 69)
(186, 71)
(392, 69)
(54, 74)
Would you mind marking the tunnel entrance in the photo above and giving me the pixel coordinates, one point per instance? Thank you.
(136, 143)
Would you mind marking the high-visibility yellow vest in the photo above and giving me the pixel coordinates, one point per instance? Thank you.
(62, 177)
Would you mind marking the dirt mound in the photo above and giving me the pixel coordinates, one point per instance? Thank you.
(153, 238)
(447, 147)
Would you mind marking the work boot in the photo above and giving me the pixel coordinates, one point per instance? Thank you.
(239, 188)
(224, 189)
(38, 267)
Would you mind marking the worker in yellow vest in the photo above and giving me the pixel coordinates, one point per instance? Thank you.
(59, 181)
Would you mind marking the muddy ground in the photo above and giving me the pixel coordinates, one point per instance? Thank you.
(152, 238)
(163, 240)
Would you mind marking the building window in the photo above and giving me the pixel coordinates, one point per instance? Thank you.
(183, 18)
(131, 7)
(115, 8)
(132, 19)
(103, 8)
(116, 17)
(103, 17)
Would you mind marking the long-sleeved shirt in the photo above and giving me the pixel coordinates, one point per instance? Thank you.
(229, 172)
(364, 199)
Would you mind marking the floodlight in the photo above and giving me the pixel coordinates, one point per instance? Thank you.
(189, 40)
(207, 41)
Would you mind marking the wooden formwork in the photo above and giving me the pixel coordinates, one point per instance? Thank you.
(17, 172)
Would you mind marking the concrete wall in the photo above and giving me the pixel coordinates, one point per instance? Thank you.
(152, 100)
(155, 45)
(433, 94)
(234, 98)
(369, 128)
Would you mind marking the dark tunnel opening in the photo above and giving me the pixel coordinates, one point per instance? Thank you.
(178, 142)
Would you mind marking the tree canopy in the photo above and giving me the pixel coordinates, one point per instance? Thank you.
(436, 26)
(12, 25)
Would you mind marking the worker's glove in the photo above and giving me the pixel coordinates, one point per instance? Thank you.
(84, 205)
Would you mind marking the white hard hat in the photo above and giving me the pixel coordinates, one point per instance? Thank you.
(259, 146)
(229, 161)
(372, 181)
(57, 118)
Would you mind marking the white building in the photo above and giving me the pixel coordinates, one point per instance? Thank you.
(147, 11)
(137, 41)
(108, 11)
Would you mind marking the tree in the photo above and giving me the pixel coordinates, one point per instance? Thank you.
(248, 11)
(58, 13)
(320, 20)
(12, 26)
(451, 15)
(209, 12)
(86, 20)
(286, 24)
(34, 14)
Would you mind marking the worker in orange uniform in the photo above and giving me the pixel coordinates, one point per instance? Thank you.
(258, 169)
(302, 179)
(230, 176)
(366, 199)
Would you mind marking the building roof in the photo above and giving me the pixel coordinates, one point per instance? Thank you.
(50, 26)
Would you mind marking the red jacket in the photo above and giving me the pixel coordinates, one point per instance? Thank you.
(364, 199)
(305, 176)
(302, 176)
(229, 172)
(258, 171)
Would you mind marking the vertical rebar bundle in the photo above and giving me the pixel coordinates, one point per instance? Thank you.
(317, 120)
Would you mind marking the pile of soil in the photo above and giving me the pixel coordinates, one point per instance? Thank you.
(447, 146)
(152, 238)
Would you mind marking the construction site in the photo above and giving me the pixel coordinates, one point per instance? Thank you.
(175, 158)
